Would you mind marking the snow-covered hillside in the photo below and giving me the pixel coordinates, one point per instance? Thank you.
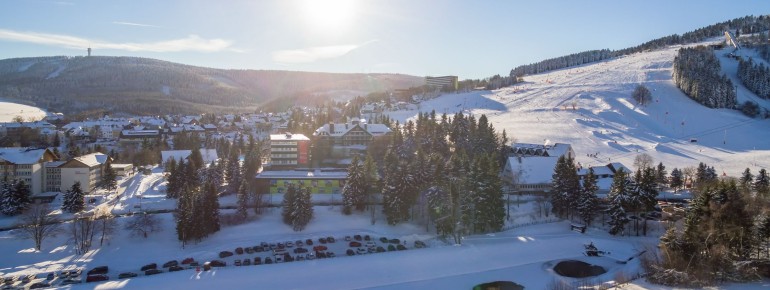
(605, 120)
(9, 110)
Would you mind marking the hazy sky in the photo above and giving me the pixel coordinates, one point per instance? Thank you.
(471, 39)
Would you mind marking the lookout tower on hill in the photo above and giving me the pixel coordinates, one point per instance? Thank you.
(89, 51)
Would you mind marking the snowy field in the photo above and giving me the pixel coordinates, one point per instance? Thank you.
(10, 110)
(605, 120)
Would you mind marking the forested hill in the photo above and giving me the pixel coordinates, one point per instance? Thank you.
(150, 86)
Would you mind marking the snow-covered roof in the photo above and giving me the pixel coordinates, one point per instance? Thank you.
(532, 169)
(304, 174)
(35, 124)
(21, 155)
(209, 155)
(54, 164)
(343, 128)
(93, 159)
(292, 137)
(528, 149)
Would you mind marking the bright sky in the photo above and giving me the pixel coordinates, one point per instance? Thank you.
(471, 39)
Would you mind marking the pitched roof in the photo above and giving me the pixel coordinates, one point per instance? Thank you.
(209, 155)
(533, 169)
(343, 128)
(93, 159)
(21, 155)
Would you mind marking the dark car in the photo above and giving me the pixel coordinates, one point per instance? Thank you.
(330, 255)
(175, 268)
(419, 244)
(127, 275)
(350, 252)
(239, 251)
(247, 262)
(101, 270)
(354, 244)
(249, 250)
(299, 243)
(187, 261)
(152, 272)
(264, 245)
(70, 281)
(400, 247)
(358, 238)
(384, 240)
(320, 248)
(309, 242)
(330, 239)
(395, 241)
(170, 264)
(39, 285)
(149, 266)
(320, 255)
(367, 238)
(391, 248)
(380, 249)
(268, 260)
(218, 263)
(225, 254)
(300, 250)
(97, 277)
(257, 261)
(237, 262)
(322, 240)
(259, 249)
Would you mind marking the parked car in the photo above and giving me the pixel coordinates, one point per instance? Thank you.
(259, 249)
(320, 255)
(371, 250)
(187, 261)
(395, 241)
(97, 277)
(170, 263)
(320, 248)
(239, 251)
(348, 239)
(99, 270)
(264, 245)
(309, 242)
(354, 244)
(330, 239)
(361, 251)
(218, 263)
(268, 260)
(299, 243)
(419, 244)
(125, 275)
(257, 261)
(70, 281)
(249, 250)
(300, 258)
(237, 262)
(358, 238)
(300, 250)
(367, 238)
(149, 266)
(289, 244)
(384, 240)
(350, 252)
(247, 262)
(279, 245)
(50, 276)
(400, 247)
(225, 254)
(330, 255)
(370, 244)
(175, 268)
(38, 285)
(310, 256)
(391, 248)
(380, 249)
(322, 240)
(152, 272)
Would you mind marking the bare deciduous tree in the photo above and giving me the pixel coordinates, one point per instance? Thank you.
(107, 225)
(83, 229)
(642, 161)
(142, 224)
(38, 224)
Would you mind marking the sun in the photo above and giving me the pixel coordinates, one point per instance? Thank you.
(329, 16)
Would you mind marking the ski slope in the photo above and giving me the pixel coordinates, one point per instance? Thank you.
(605, 119)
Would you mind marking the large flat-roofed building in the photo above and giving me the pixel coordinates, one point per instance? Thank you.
(442, 82)
(289, 150)
(319, 181)
(25, 164)
(86, 169)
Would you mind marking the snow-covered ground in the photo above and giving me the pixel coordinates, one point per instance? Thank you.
(9, 110)
(607, 121)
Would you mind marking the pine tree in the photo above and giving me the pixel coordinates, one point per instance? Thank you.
(371, 183)
(588, 201)
(243, 200)
(762, 183)
(175, 179)
(287, 209)
(211, 207)
(660, 174)
(619, 199)
(73, 199)
(677, 180)
(196, 159)
(648, 191)
(566, 187)
(747, 179)
(302, 210)
(109, 177)
(353, 193)
(233, 172)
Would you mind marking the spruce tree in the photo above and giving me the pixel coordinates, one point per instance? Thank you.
(109, 177)
(747, 179)
(677, 180)
(588, 201)
(15, 198)
(302, 210)
(660, 174)
(353, 193)
(287, 210)
(762, 183)
(73, 199)
(211, 207)
(243, 201)
(619, 199)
